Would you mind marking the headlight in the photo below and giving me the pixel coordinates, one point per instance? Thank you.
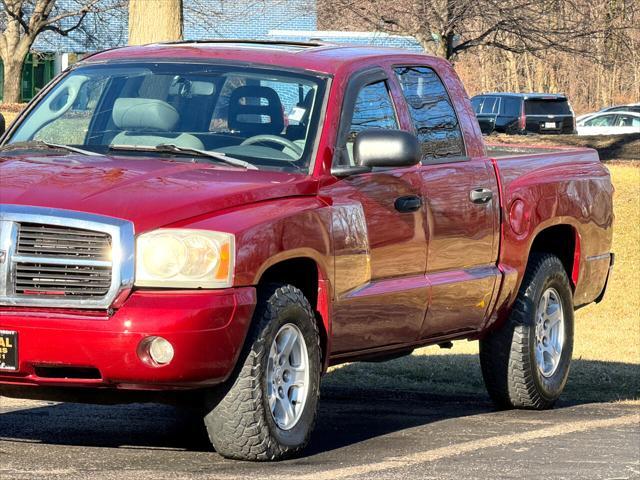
(184, 259)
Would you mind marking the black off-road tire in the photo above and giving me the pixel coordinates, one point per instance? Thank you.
(507, 355)
(239, 423)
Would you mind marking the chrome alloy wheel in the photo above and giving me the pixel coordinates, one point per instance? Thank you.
(288, 376)
(549, 332)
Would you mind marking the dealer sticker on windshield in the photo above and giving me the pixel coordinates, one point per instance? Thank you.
(8, 350)
(296, 114)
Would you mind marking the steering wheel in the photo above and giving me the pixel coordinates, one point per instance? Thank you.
(274, 139)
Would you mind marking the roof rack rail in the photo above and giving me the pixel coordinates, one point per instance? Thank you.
(293, 43)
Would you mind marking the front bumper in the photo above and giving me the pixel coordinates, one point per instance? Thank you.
(206, 328)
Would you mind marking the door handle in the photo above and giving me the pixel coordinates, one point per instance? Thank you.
(480, 195)
(408, 203)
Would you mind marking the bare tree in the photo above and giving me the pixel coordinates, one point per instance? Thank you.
(154, 21)
(450, 27)
(607, 74)
(22, 21)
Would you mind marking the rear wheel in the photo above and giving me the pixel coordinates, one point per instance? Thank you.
(525, 363)
(268, 409)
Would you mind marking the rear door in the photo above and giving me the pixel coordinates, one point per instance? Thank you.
(461, 210)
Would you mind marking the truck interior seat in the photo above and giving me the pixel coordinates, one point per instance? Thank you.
(250, 106)
(149, 122)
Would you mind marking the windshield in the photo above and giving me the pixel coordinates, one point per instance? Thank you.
(266, 117)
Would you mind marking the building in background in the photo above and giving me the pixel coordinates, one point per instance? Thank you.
(378, 39)
(291, 20)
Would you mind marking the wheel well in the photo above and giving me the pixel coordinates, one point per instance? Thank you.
(302, 273)
(563, 242)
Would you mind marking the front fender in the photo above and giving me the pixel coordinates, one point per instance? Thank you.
(273, 231)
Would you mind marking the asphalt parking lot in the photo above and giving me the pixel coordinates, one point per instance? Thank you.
(360, 435)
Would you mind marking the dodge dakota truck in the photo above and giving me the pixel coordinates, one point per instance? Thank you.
(219, 222)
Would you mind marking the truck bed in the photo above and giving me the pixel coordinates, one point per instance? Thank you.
(501, 150)
(558, 185)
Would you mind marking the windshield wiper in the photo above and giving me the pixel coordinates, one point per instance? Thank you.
(41, 144)
(173, 148)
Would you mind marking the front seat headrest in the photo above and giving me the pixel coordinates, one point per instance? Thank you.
(146, 114)
(248, 107)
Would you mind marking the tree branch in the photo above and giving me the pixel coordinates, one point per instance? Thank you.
(19, 16)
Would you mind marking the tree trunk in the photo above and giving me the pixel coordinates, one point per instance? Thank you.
(14, 48)
(12, 81)
(449, 47)
(449, 36)
(153, 21)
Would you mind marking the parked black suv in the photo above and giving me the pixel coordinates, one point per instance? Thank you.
(524, 113)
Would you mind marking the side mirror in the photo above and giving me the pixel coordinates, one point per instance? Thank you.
(386, 148)
(2, 125)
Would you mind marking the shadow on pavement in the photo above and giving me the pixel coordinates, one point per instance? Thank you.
(359, 402)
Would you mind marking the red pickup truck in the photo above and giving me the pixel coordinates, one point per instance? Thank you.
(224, 220)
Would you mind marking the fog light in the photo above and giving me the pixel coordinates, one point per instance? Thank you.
(159, 350)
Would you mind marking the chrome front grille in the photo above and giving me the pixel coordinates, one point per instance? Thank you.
(67, 280)
(60, 258)
(49, 241)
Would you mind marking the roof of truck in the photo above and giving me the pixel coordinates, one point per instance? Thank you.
(316, 56)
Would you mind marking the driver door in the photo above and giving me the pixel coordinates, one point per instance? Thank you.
(380, 248)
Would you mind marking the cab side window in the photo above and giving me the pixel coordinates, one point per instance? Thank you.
(603, 121)
(512, 107)
(373, 109)
(488, 106)
(628, 121)
(71, 127)
(433, 114)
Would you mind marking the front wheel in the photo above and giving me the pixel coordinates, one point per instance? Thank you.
(525, 363)
(268, 409)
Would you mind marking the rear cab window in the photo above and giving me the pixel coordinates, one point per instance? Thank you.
(433, 114)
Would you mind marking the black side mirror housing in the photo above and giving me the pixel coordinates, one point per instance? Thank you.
(2, 125)
(386, 148)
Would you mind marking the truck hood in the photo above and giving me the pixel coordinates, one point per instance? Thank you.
(150, 192)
